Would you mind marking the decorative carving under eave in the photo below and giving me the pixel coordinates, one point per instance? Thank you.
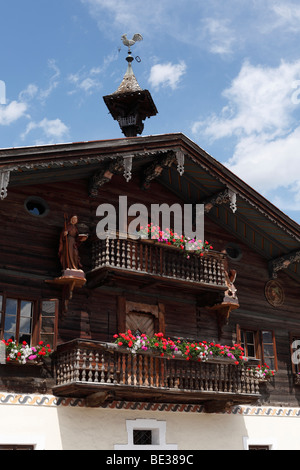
(283, 262)
(155, 169)
(4, 180)
(116, 167)
(223, 197)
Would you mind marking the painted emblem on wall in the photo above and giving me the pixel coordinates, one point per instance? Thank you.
(274, 293)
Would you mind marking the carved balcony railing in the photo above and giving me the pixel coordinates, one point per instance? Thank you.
(159, 261)
(102, 372)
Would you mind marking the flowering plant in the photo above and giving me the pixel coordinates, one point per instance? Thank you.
(23, 353)
(263, 371)
(169, 237)
(199, 351)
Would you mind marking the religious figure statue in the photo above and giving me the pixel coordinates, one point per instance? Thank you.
(70, 239)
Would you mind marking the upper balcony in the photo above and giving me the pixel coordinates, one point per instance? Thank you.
(101, 372)
(151, 261)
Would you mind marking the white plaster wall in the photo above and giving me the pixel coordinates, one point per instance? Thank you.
(68, 428)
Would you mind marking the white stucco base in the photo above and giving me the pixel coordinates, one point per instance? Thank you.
(67, 424)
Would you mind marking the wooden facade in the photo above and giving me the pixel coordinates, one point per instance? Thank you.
(130, 284)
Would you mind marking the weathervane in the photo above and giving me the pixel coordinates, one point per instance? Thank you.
(130, 42)
(130, 105)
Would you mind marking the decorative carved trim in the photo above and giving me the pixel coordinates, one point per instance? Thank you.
(4, 180)
(229, 302)
(115, 167)
(155, 169)
(180, 162)
(127, 168)
(283, 262)
(222, 197)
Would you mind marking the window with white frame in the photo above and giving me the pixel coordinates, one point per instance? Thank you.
(146, 434)
(22, 442)
(267, 443)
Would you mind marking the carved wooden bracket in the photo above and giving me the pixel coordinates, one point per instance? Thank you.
(217, 406)
(116, 167)
(155, 169)
(222, 197)
(98, 398)
(70, 279)
(283, 262)
(230, 302)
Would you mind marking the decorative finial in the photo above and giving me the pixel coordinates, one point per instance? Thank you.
(130, 42)
(130, 105)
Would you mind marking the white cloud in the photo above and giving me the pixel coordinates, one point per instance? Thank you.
(12, 112)
(288, 15)
(268, 163)
(53, 129)
(139, 17)
(53, 81)
(261, 117)
(167, 75)
(85, 81)
(29, 92)
(219, 35)
(260, 99)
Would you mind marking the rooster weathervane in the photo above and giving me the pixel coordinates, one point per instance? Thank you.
(130, 42)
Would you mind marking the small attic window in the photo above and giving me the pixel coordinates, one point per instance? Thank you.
(36, 206)
(233, 251)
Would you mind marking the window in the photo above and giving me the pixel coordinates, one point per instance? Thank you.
(16, 447)
(48, 316)
(22, 442)
(248, 343)
(256, 447)
(142, 437)
(146, 434)
(268, 349)
(17, 319)
(258, 344)
(233, 251)
(256, 443)
(36, 206)
(28, 320)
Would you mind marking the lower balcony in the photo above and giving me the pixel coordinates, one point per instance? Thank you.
(103, 372)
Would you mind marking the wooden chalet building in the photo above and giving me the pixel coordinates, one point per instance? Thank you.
(92, 393)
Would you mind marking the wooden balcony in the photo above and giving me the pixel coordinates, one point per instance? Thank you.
(149, 261)
(101, 372)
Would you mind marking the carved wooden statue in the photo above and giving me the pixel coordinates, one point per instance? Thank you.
(69, 242)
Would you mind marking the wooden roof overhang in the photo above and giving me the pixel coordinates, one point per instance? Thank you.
(256, 222)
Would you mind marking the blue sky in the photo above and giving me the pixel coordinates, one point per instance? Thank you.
(224, 73)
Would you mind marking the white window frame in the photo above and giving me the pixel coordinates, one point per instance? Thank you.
(35, 440)
(158, 429)
(270, 442)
